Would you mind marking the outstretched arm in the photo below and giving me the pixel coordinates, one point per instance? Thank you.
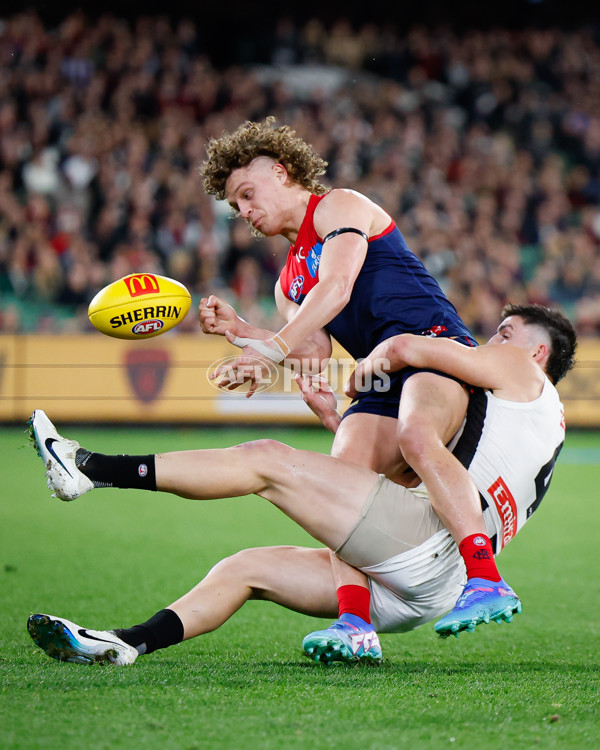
(507, 370)
(217, 317)
(310, 356)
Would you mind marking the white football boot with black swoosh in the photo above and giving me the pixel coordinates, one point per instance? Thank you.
(58, 454)
(65, 641)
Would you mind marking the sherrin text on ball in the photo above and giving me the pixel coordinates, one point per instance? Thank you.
(139, 306)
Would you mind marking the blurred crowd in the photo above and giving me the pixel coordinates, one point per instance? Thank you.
(484, 146)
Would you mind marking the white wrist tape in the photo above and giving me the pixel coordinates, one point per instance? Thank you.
(275, 355)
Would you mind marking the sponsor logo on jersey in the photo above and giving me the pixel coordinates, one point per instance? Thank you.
(296, 287)
(145, 315)
(147, 326)
(142, 283)
(314, 259)
(506, 507)
(435, 331)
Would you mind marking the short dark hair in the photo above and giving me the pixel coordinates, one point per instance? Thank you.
(562, 335)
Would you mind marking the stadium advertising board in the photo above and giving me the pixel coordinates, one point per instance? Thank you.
(97, 379)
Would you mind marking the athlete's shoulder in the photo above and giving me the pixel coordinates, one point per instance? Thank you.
(346, 207)
(341, 196)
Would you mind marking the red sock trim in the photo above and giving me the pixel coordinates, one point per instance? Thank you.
(478, 555)
(354, 600)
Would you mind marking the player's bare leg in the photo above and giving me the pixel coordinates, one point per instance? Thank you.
(322, 494)
(366, 440)
(431, 411)
(370, 440)
(296, 578)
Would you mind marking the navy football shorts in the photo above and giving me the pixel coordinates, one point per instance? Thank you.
(385, 403)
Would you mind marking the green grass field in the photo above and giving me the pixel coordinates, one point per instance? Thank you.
(113, 558)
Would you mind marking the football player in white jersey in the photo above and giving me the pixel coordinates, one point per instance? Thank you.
(391, 533)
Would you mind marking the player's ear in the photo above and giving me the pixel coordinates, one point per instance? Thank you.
(541, 354)
(281, 172)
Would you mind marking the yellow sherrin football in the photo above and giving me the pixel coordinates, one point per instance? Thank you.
(139, 306)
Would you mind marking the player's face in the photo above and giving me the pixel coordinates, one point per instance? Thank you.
(513, 331)
(257, 192)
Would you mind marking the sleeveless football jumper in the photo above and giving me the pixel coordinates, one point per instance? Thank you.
(393, 293)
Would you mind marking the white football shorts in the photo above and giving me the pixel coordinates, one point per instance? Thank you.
(415, 570)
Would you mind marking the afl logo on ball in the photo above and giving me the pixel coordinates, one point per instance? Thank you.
(147, 326)
(296, 287)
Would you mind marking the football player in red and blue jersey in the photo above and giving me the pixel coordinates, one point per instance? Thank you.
(349, 274)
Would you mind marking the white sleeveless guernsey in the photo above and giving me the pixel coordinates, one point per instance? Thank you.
(510, 449)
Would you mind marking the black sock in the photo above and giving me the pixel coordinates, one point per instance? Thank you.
(126, 472)
(161, 630)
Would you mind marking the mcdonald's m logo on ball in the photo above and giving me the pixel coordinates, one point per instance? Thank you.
(141, 283)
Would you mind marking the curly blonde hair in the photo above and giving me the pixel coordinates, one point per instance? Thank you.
(237, 149)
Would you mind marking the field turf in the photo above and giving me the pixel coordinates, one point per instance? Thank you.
(115, 557)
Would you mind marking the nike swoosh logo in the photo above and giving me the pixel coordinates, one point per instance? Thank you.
(85, 634)
(50, 449)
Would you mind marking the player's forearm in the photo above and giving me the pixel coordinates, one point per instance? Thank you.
(332, 422)
(319, 307)
(246, 330)
(403, 350)
(312, 354)
(410, 350)
(310, 357)
(390, 355)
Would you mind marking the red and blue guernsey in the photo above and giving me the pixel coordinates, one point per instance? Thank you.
(393, 293)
